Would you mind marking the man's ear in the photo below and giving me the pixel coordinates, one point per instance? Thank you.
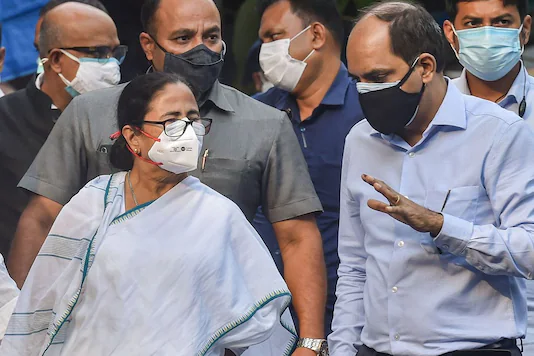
(54, 60)
(449, 34)
(430, 67)
(527, 27)
(319, 35)
(148, 45)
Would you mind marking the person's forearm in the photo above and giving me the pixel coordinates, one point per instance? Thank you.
(305, 275)
(30, 236)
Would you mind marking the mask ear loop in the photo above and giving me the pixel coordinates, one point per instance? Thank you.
(141, 157)
(297, 35)
(405, 78)
(118, 134)
(452, 46)
(300, 33)
(70, 55)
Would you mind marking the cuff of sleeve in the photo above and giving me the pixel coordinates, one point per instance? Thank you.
(454, 235)
(45, 189)
(292, 210)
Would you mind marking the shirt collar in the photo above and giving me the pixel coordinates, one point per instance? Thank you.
(517, 90)
(335, 96)
(39, 83)
(217, 97)
(450, 113)
(461, 83)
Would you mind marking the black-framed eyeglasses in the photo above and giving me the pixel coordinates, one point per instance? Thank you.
(177, 127)
(102, 52)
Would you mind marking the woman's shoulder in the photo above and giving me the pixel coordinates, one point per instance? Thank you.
(105, 182)
(101, 187)
(210, 196)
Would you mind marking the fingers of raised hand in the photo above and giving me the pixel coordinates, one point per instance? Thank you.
(392, 196)
(378, 205)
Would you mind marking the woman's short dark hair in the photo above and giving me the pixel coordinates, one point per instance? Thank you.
(134, 104)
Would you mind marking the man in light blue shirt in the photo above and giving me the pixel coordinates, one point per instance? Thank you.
(436, 233)
(475, 31)
(489, 37)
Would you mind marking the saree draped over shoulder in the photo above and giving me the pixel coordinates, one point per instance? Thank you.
(183, 275)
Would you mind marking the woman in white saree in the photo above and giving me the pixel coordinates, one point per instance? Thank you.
(151, 261)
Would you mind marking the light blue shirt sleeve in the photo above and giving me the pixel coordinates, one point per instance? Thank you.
(349, 315)
(509, 248)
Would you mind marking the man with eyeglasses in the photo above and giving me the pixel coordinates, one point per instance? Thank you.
(46, 9)
(81, 52)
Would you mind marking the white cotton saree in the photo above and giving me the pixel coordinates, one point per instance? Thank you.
(183, 275)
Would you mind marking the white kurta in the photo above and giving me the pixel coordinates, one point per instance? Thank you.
(8, 297)
(184, 275)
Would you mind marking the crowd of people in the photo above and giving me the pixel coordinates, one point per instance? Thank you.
(376, 208)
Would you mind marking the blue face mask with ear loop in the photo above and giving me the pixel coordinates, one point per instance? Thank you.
(489, 53)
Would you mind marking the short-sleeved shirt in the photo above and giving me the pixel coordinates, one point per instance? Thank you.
(253, 155)
(26, 118)
(322, 139)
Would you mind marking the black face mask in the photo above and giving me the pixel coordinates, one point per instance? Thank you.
(200, 66)
(391, 109)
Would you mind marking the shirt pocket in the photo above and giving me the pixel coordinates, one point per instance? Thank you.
(461, 202)
(230, 178)
(102, 164)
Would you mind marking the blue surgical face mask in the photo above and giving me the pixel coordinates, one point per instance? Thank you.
(489, 53)
(40, 65)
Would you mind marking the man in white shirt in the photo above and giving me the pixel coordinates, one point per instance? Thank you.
(489, 37)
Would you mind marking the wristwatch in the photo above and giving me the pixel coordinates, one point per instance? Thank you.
(320, 346)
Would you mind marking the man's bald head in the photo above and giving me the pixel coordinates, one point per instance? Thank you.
(412, 30)
(152, 8)
(74, 24)
(177, 26)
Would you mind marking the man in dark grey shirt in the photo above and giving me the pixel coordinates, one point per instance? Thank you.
(251, 155)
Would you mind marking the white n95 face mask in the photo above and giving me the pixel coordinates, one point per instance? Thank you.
(93, 74)
(177, 154)
(279, 67)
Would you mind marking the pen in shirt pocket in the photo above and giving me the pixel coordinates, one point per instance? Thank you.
(445, 202)
(204, 159)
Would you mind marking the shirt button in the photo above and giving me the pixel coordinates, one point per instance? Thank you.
(302, 129)
(445, 247)
(277, 252)
(401, 243)
(411, 154)
(394, 289)
(397, 337)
